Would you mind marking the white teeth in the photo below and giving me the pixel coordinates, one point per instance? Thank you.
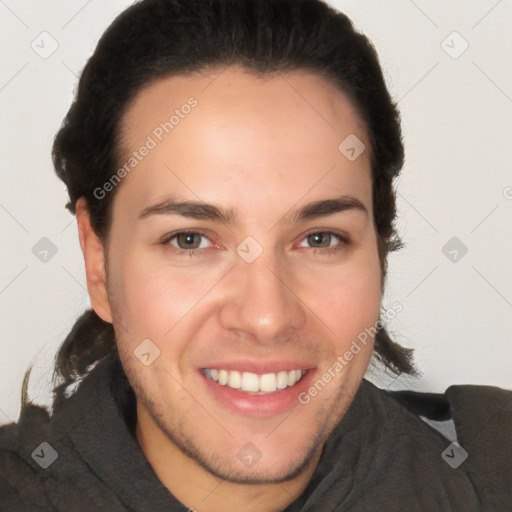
(252, 382)
(282, 380)
(235, 380)
(223, 377)
(268, 382)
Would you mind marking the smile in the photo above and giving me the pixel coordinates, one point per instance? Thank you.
(253, 383)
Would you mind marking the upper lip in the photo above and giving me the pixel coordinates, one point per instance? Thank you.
(258, 367)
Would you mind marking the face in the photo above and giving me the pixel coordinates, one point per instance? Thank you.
(243, 248)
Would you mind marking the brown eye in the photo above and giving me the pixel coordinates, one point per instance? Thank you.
(186, 242)
(321, 238)
(321, 242)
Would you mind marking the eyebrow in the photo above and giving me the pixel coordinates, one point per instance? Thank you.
(215, 213)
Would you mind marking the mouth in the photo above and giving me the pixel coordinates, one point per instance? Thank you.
(255, 394)
(253, 383)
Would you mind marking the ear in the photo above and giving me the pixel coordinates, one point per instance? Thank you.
(92, 249)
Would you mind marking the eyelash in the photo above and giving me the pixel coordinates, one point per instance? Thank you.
(343, 242)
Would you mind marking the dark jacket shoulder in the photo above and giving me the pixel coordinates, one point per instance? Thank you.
(20, 486)
(482, 416)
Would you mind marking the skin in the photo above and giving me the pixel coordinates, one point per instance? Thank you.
(264, 147)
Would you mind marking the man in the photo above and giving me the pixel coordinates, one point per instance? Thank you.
(230, 166)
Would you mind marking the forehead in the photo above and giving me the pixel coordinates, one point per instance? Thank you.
(244, 135)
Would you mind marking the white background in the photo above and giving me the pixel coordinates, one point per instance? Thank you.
(457, 115)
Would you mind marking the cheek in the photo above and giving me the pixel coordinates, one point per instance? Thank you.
(133, 296)
(348, 299)
(151, 298)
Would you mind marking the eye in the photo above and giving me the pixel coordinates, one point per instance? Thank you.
(324, 241)
(186, 242)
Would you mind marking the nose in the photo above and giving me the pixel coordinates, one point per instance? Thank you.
(264, 305)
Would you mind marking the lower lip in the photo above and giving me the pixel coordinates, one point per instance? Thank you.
(257, 405)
